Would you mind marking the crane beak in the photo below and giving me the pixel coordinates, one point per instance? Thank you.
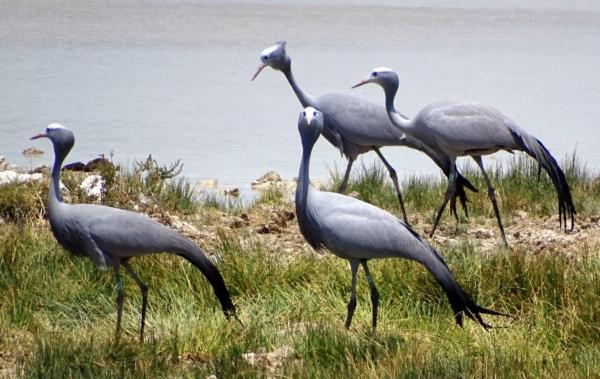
(41, 135)
(260, 68)
(361, 83)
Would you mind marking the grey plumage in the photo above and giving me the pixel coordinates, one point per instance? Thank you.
(111, 236)
(356, 126)
(468, 129)
(358, 231)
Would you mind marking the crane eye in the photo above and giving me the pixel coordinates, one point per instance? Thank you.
(303, 113)
(265, 56)
(314, 113)
(47, 130)
(374, 74)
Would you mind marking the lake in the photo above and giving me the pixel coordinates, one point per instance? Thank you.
(172, 78)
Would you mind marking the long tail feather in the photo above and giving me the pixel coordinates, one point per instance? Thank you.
(461, 303)
(566, 208)
(197, 257)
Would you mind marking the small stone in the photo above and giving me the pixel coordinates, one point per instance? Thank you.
(11, 176)
(234, 192)
(96, 162)
(482, 233)
(32, 151)
(43, 169)
(275, 228)
(288, 216)
(264, 229)
(354, 194)
(237, 223)
(269, 177)
(93, 186)
(272, 360)
(75, 166)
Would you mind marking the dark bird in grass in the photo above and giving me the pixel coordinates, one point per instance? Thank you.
(358, 231)
(110, 237)
(469, 129)
(356, 126)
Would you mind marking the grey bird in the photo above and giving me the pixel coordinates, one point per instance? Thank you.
(111, 236)
(358, 231)
(356, 126)
(469, 129)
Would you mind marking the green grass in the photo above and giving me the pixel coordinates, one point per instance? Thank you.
(57, 311)
(57, 315)
(516, 184)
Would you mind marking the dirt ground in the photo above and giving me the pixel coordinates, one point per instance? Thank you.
(276, 229)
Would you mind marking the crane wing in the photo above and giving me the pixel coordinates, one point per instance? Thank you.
(352, 228)
(120, 233)
(467, 128)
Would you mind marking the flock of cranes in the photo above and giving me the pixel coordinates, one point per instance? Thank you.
(347, 227)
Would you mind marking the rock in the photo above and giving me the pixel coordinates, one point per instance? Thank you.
(94, 163)
(43, 169)
(269, 177)
(205, 184)
(11, 176)
(481, 233)
(184, 227)
(281, 218)
(237, 223)
(195, 358)
(87, 167)
(93, 186)
(75, 166)
(234, 192)
(354, 194)
(272, 360)
(263, 229)
(32, 151)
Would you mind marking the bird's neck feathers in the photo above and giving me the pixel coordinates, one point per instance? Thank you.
(305, 99)
(59, 156)
(304, 174)
(303, 185)
(403, 123)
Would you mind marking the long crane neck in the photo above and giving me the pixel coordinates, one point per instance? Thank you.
(403, 123)
(54, 196)
(304, 98)
(303, 184)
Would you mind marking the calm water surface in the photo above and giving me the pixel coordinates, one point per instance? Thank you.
(173, 78)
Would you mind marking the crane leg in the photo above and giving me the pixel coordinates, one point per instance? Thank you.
(344, 183)
(120, 298)
(492, 196)
(352, 302)
(374, 292)
(394, 178)
(144, 291)
(450, 193)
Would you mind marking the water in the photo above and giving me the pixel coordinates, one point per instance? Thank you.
(173, 78)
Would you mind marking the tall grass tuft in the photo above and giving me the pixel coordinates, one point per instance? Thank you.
(515, 181)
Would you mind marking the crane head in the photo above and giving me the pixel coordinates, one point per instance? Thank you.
(310, 124)
(385, 77)
(274, 57)
(62, 138)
